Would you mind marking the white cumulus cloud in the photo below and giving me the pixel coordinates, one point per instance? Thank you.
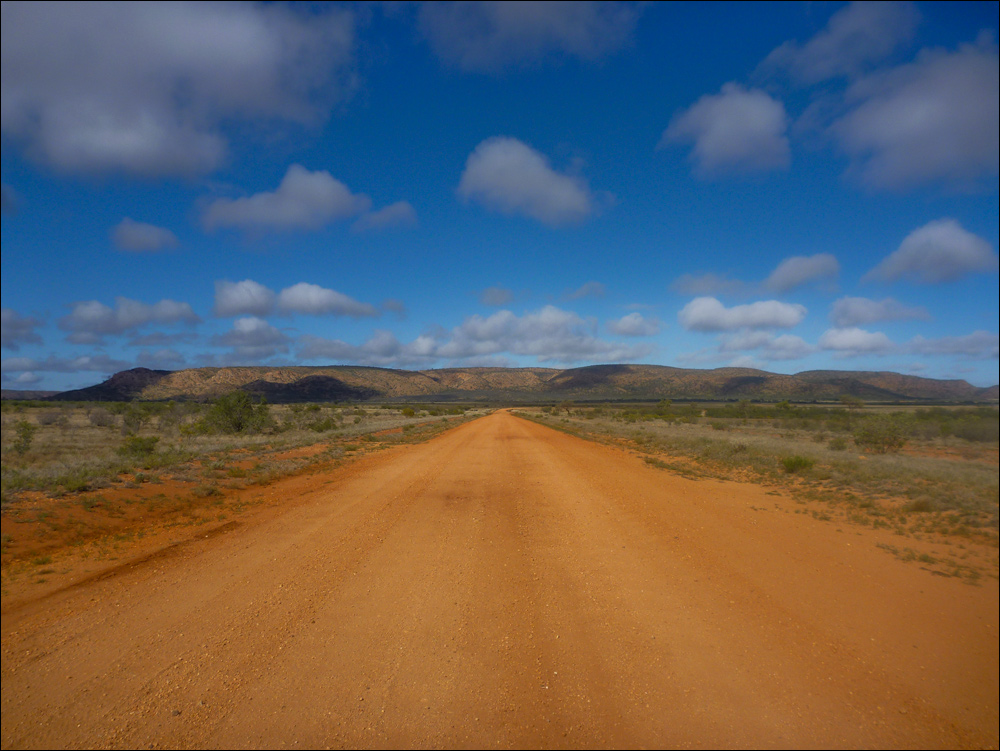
(634, 324)
(940, 251)
(853, 342)
(89, 321)
(856, 36)
(848, 312)
(242, 298)
(311, 299)
(736, 130)
(503, 174)
(708, 314)
(979, 345)
(129, 234)
(767, 344)
(933, 119)
(304, 200)
(798, 270)
(253, 338)
(399, 214)
(143, 88)
(16, 329)
(486, 36)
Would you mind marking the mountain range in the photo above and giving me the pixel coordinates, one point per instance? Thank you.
(495, 384)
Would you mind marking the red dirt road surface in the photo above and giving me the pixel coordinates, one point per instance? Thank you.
(506, 585)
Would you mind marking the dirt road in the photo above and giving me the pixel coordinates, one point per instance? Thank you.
(506, 585)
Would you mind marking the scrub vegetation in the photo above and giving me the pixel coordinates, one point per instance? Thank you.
(920, 471)
(76, 472)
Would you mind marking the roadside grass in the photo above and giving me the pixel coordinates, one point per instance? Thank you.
(86, 472)
(942, 485)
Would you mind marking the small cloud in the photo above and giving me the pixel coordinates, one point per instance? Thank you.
(490, 36)
(940, 251)
(16, 329)
(142, 237)
(161, 339)
(769, 346)
(399, 214)
(589, 289)
(708, 314)
(505, 175)
(253, 339)
(311, 299)
(634, 324)
(848, 312)
(496, 296)
(242, 298)
(303, 201)
(798, 270)
(853, 342)
(857, 35)
(87, 363)
(707, 285)
(979, 345)
(382, 349)
(395, 306)
(161, 359)
(8, 199)
(27, 379)
(737, 130)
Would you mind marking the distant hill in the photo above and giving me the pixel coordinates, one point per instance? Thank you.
(595, 382)
(26, 395)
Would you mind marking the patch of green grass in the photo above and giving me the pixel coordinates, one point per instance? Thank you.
(797, 463)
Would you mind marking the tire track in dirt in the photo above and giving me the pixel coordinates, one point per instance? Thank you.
(505, 585)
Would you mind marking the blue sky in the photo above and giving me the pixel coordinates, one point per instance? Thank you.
(787, 186)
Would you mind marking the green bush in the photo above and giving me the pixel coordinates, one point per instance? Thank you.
(25, 435)
(793, 464)
(881, 434)
(236, 412)
(138, 446)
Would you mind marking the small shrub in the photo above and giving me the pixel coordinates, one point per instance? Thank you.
(793, 464)
(838, 444)
(52, 417)
(236, 412)
(25, 435)
(101, 418)
(881, 434)
(133, 418)
(322, 426)
(138, 446)
(921, 505)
